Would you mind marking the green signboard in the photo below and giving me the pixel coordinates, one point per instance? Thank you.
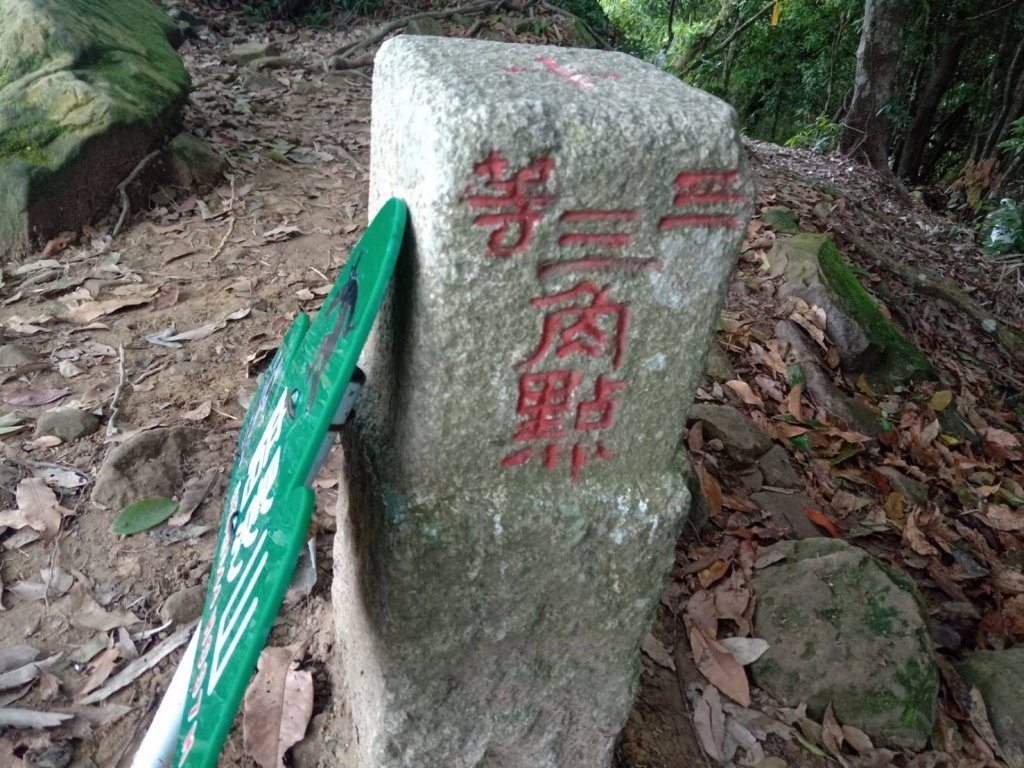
(270, 500)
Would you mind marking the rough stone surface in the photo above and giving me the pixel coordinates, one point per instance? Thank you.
(744, 441)
(148, 464)
(194, 161)
(841, 408)
(66, 423)
(13, 355)
(778, 470)
(781, 219)
(87, 88)
(489, 610)
(999, 677)
(184, 605)
(718, 366)
(246, 52)
(843, 628)
(787, 510)
(430, 27)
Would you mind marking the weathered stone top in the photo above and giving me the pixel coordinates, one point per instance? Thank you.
(576, 214)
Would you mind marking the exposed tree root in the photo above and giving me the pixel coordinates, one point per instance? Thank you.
(1008, 337)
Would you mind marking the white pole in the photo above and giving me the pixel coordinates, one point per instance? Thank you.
(157, 747)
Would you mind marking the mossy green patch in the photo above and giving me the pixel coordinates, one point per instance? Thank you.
(902, 361)
(921, 684)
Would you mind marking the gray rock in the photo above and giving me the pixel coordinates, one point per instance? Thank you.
(13, 355)
(718, 366)
(700, 509)
(66, 423)
(778, 470)
(999, 677)
(781, 219)
(270, 62)
(430, 27)
(856, 353)
(193, 161)
(539, 181)
(750, 479)
(307, 753)
(913, 490)
(87, 88)
(184, 605)
(843, 628)
(841, 408)
(148, 464)
(744, 441)
(246, 52)
(787, 509)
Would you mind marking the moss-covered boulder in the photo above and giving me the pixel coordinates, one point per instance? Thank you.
(87, 88)
(999, 676)
(866, 339)
(844, 628)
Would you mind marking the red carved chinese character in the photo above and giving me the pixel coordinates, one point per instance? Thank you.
(580, 458)
(577, 329)
(703, 189)
(523, 456)
(515, 200)
(544, 399)
(599, 413)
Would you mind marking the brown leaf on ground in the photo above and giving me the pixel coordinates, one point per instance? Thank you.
(915, 538)
(744, 392)
(38, 509)
(91, 310)
(277, 706)
(709, 722)
(100, 668)
(83, 611)
(719, 667)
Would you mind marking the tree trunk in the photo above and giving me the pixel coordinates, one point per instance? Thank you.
(927, 106)
(943, 136)
(866, 128)
(997, 133)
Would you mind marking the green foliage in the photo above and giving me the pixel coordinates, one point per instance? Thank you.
(1003, 229)
(1015, 144)
(822, 136)
(143, 515)
(589, 11)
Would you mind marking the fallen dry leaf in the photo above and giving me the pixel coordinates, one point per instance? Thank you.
(719, 667)
(84, 611)
(91, 310)
(914, 537)
(195, 491)
(821, 520)
(38, 509)
(200, 412)
(745, 393)
(709, 722)
(277, 706)
(101, 667)
(34, 397)
(746, 650)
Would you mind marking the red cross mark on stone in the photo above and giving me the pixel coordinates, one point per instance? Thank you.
(699, 191)
(514, 199)
(594, 328)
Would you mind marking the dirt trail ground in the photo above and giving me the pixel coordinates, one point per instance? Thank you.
(260, 248)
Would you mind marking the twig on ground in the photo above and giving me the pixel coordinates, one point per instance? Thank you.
(338, 58)
(114, 408)
(122, 188)
(224, 240)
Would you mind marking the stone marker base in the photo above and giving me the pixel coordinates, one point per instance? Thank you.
(514, 487)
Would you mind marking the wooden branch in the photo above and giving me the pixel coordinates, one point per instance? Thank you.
(397, 24)
(1010, 339)
(555, 9)
(123, 189)
(691, 65)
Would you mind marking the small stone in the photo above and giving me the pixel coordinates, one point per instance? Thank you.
(56, 755)
(270, 62)
(148, 464)
(66, 423)
(777, 469)
(913, 490)
(844, 629)
(750, 479)
(184, 605)
(781, 219)
(744, 440)
(718, 366)
(246, 52)
(999, 676)
(193, 161)
(13, 355)
(788, 509)
(306, 754)
(257, 81)
(425, 27)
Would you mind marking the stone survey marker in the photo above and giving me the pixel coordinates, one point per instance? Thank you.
(514, 476)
